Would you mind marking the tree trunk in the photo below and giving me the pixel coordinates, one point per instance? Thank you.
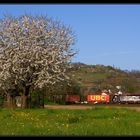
(11, 103)
(25, 102)
(41, 102)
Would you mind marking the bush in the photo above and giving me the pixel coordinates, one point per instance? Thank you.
(36, 99)
(1, 101)
(49, 102)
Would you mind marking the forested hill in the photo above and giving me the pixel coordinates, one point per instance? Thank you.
(95, 78)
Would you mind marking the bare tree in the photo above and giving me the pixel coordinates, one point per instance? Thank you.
(34, 52)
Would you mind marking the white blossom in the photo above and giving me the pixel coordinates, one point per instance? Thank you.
(34, 51)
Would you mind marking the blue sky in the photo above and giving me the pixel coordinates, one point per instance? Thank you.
(106, 34)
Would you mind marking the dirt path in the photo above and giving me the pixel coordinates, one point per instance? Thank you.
(134, 107)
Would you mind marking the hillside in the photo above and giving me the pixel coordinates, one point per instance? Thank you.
(95, 78)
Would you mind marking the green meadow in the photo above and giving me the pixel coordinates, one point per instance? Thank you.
(98, 121)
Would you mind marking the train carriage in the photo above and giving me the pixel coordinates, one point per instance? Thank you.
(98, 98)
(130, 99)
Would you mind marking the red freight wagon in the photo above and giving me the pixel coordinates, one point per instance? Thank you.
(98, 98)
(72, 98)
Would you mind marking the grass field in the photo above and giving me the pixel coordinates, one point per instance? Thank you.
(98, 121)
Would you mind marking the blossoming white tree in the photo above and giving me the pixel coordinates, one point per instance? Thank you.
(34, 52)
